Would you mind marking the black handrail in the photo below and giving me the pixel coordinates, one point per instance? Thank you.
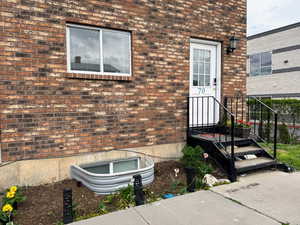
(201, 107)
(257, 113)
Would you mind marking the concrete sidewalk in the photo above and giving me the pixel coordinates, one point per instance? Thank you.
(267, 198)
(275, 194)
(200, 208)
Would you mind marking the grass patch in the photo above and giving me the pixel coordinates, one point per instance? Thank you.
(289, 154)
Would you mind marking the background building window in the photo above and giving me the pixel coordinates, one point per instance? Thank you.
(261, 64)
(100, 51)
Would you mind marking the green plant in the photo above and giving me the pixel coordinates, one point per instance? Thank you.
(284, 136)
(124, 198)
(59, 223)
(102, 209)
(151, 196)
(6, 213)
(193, 157)
(13, 195)
(74, 209)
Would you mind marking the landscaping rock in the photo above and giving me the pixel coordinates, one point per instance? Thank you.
(209, 180)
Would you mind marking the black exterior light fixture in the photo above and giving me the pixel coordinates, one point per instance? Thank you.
(232, 44)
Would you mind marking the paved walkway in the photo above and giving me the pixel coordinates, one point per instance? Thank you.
(275, 194)
(262, 199)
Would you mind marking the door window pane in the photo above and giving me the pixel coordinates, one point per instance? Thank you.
(201, 80)
(195, 68)
(85, 49)
(207, 68)
(207, 56)
(196, 55)
(207, 80)
(201, 68)
(195, 80)
(116, 52)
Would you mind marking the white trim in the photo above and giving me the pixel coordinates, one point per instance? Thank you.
(218, 45)
(69, 70)
(205, 42)
(101, 53)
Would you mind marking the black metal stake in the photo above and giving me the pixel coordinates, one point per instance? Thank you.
(67, 206)
(138, 190)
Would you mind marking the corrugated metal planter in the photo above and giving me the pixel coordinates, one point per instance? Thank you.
(108, 177)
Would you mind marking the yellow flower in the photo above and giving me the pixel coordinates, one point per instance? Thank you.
(13, 189)
(10, 194)
(7, 208)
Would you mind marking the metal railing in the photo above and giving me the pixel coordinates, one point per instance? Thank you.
(209, 118)
(262, 118)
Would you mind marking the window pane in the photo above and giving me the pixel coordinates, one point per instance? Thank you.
(196, 55)
(207, 56)
(207, 68)
(195, 68)
(123, 166)
(201, 68)
(266, 70)
(85, 49)
(266, 59)
(195, 80)
(255, 65)
(101, 169)
(207, 80)
(116, 51)
(201, 80)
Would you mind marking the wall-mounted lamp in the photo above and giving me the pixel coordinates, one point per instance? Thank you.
(232, 44)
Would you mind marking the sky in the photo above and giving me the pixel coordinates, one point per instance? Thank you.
(264, 15)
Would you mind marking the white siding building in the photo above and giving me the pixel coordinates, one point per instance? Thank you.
(274, 62)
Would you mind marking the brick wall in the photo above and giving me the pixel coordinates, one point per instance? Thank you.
(45, 112)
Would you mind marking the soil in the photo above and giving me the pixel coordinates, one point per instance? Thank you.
(43, 205)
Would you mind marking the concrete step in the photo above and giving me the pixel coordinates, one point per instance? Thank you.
(247, 150)
(252, 164)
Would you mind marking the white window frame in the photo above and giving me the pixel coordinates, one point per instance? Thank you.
(260, 66)
(101, 52)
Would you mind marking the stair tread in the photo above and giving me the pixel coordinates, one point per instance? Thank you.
(246, 149)
(252, 162)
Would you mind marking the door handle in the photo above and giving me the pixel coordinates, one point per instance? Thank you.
(215, 81)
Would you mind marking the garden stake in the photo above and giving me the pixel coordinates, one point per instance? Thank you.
(67, 204)
(138, 190)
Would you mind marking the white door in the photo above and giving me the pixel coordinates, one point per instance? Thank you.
(204, 82)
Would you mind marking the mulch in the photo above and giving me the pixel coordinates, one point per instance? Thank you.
(44, 203)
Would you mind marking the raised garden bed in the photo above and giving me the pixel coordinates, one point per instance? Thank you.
(44, 204)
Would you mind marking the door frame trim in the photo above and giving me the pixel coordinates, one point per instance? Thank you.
(218, 45)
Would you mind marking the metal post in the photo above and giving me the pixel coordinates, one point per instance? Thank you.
(275, 136)
(261, 122)
(225, 114)
(67, 206)
(188, 118)
(233, 175)
(138, 190)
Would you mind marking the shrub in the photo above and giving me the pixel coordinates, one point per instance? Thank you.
(284, 136)
(194, 158)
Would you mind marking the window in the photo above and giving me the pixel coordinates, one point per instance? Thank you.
(115, 166)
(201, 67)
(261, 64)
(98, 51)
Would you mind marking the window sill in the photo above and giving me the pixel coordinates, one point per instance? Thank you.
(97, 77)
